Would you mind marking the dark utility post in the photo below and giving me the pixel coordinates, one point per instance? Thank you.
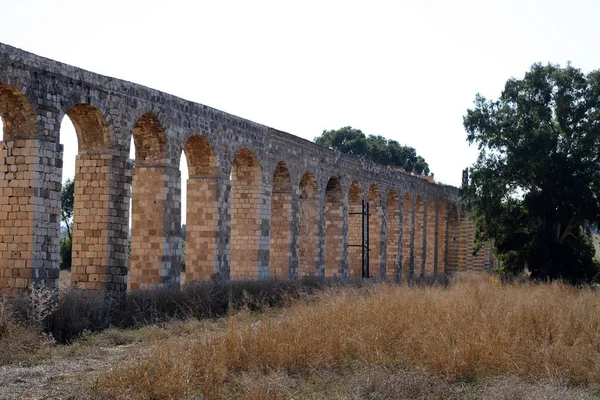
(364, 238)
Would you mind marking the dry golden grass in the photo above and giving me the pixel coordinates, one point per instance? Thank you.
(476, 328)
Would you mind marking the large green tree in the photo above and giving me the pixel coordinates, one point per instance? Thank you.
(377, 149)
(535, 188)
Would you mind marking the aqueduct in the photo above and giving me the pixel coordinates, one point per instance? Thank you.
(260, 203)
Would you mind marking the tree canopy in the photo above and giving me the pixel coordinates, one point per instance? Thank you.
(535, 188)
(377, 149)
(67, 197)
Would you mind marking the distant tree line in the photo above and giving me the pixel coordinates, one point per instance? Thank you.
(375, 148)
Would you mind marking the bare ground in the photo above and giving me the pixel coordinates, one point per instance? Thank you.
(58, 377)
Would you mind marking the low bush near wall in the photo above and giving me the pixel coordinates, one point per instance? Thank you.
(20, 335)
(475, 328)
(75, 312)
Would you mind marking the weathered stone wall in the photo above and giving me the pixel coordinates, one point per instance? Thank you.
(261, 202)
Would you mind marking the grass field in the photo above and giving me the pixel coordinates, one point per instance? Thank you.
(474, 339)
(384, 341)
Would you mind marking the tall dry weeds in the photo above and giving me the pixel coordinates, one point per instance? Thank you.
(475, 328)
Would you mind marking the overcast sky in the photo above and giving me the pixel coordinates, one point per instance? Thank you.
(407, 70)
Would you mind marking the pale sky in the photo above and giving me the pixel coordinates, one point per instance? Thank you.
(407, 70)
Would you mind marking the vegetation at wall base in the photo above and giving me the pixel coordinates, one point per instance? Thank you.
(476, 337)
(478, 329)
(534, 191)
(374, 148)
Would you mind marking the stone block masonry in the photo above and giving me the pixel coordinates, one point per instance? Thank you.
(261, 203)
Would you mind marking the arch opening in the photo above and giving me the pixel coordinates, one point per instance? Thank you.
(375, 222)
(393, 234)
(245, 197)
(334, 227)
(355, 230)
(281, 219)
(308, 197)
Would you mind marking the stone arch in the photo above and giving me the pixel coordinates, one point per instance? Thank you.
(430, 251)
(442, 238)
(407, 236)
(93, 135)
(91, 259)
(200, 157)
(19, 118)
(419, 256)
(453, 240)
(150, 141)
(156, 207)
(281, 219)
(375, 221)
(355, 230)
(246, 181)
(392, 233)
(334, 227)
(308, 197)
(201, 210)
(20, 198)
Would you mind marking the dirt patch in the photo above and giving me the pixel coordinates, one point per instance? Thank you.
(66, 378)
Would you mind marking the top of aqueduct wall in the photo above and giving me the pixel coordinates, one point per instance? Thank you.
(53, 88)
